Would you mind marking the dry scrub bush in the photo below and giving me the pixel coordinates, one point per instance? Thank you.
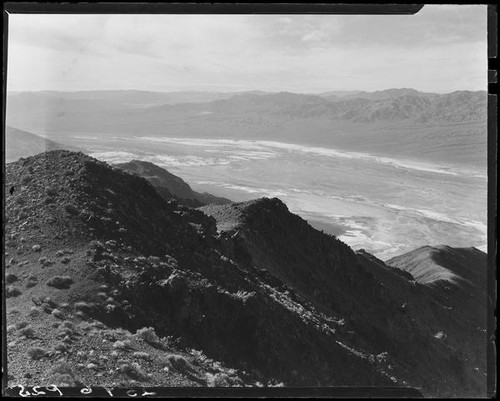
(36, 353)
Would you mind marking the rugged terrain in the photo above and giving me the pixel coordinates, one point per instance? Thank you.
(169, 185)
(108, 282)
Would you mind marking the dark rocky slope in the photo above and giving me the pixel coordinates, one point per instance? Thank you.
(251, 285)
(430, 343)
(89, 245)
(169, 185)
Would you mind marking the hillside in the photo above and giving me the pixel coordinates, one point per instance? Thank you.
(88, 243)
(169, 185)
(382, 304)
(234, 295)
(20, 143)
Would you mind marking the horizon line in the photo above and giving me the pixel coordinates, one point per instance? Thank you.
(242, 91)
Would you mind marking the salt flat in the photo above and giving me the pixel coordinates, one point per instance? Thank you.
(385, 205)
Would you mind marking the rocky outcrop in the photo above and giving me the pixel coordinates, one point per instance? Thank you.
(169, 185)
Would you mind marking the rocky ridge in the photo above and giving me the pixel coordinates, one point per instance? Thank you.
(250, 285)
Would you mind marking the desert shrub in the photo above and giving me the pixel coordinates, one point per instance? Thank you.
(32, 281)
(61, 348)
(154, 260)
(36, 353)
(65, 331)
(178, 362)
(49, 301)
(47, 308)
(217, 380)
(57, 314)
(132, 370)
(67, 324)
(12, 291)
(70, 208)
(148, 334)
(62, 375)
(45, 261)
(122, 345)
(60, 282)
(34, 311)
(51, 191)
(65, 260)
(96, 245)
(36, 248)
(28, 332)
(21, 325)
(11, 278)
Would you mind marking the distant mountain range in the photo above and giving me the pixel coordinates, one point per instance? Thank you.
(244, 294)
(404, 123)
(388, 105)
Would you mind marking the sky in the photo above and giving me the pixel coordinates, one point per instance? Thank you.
(440, 49)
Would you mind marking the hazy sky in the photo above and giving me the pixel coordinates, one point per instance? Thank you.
(440, 49)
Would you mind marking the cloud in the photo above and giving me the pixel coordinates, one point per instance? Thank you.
(237, 52)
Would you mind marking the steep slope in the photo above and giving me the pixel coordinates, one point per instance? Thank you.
(169, 185)
(429, 265)
(20, 143)
(383, 308)
(89, 245)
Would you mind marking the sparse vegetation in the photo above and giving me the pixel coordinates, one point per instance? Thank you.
(132, 370)
(12, 291)
(148, 334)
(45, 261)
(31, 282)
(36, 353)
(71, 209)
(178, 362)
(11, 278)
(34, 311)
(62, 374)
(217, 380)
(51, 191)
(28, 332)
(60, 282)
(122, 345)
(57, 314)
(21, 325)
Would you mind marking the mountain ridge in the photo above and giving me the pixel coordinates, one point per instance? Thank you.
(256, 295)
(169, 185)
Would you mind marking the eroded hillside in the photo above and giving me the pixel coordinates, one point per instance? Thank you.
(243, 294)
